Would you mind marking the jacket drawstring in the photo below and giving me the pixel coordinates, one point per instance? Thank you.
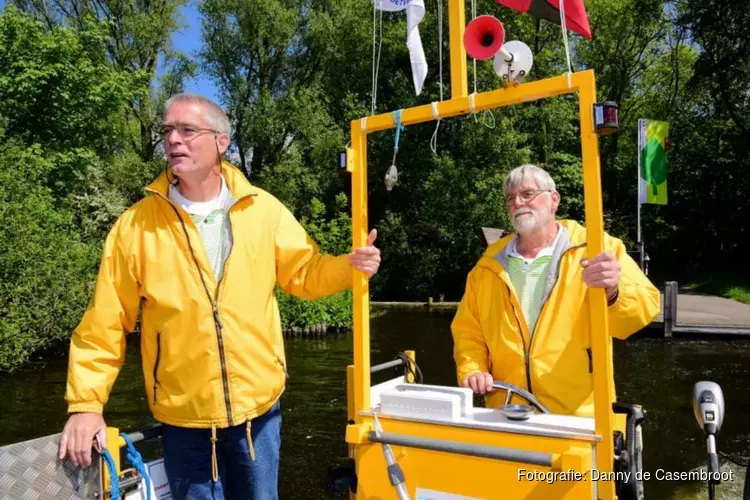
(214, 461)
(250, 440)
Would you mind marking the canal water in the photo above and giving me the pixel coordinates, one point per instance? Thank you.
(655, 373)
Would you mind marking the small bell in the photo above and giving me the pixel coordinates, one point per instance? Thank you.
(391, 177)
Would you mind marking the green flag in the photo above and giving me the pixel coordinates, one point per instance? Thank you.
(652, 136)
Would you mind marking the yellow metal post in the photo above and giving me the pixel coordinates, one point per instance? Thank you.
(601, 342)
(361, 297)
(408, 375)
(350, 411)
(456, 23)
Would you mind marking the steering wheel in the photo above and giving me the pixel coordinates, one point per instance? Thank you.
(514, 389)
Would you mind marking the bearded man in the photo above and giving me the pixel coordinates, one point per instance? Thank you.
(524, 317)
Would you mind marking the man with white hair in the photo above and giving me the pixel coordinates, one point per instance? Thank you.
(199, 257)
(524, 319)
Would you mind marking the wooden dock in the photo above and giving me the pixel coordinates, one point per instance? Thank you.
(687, 315)
(699, 314)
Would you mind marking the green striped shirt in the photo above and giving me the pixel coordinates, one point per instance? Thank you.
(212, 220)
(528, 277)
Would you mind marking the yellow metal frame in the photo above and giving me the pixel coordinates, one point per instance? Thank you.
(582, 83)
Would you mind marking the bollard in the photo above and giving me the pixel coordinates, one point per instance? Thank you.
(670, 307)
(408, 374)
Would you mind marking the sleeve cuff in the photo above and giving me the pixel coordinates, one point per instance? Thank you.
(86, 408)
(611, 301)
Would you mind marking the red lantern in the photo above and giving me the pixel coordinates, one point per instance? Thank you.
(605, 118)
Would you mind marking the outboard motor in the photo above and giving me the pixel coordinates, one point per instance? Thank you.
(708, 406)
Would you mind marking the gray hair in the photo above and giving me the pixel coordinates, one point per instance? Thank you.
(517, 175)
(215, 116)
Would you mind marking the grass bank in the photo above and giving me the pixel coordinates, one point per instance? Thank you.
(735, 288)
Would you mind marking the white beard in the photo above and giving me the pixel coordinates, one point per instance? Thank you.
(525, 224)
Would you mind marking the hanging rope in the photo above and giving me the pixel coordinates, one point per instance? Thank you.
(136, 460)
(485, 122)
(375, 56)
(474, 16)
(396, 117)
(112, 470)
(565, 39)
(433, 139)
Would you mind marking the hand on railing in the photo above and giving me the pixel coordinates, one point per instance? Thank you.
(77, 437)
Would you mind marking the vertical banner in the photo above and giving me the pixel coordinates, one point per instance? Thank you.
(652, 160)
(414, 15)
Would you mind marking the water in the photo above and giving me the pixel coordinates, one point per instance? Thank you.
(654, 373)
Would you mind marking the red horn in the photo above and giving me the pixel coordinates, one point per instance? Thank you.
(483, 37)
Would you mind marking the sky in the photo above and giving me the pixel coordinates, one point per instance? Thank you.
(188, 40)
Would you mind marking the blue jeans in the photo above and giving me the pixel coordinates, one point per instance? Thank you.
(187, 460)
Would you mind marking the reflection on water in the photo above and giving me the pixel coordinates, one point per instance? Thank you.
(654, 373)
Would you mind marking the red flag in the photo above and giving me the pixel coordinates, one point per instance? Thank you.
(549, 10)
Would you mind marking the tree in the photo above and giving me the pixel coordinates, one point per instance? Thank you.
(138, 37)
(45, 270)
(57, 89)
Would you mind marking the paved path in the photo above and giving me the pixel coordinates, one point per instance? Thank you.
(708, 310)
(692, 309)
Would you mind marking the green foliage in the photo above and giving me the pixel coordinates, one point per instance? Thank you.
(45, 271)
(98, 191)
(333, 232)
(56, 88)
(136, 38)
(80, 96)
(333, 235)
(60, 92)
(66, 173)
(735, 287)
(334, 311)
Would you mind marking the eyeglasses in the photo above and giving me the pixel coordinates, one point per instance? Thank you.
(186, 131)
(526, 195)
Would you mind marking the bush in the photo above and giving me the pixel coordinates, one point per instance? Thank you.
(334, 311)
(334, 237)
(45, 271)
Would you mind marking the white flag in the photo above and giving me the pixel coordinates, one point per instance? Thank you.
(414, 15)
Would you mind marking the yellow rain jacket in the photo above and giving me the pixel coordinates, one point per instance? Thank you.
(554, 361)
(212, 353)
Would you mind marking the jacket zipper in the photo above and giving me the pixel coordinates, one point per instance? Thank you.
(156, 363)
(527, 353)
(216, 312)
(217, 320)
(557, 278)
(219, 328)
(591, 360)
